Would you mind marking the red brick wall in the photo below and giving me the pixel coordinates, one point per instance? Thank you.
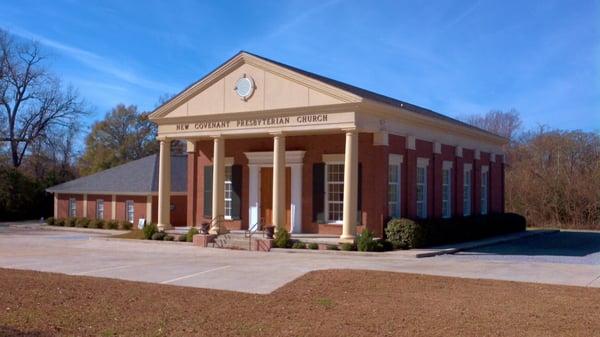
(178, 215)
(139, 207)
(63, 204)
(92, 205)
(374, 163)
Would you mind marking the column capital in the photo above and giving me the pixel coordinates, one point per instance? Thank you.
(163, 138)
(191, 146)
(350, 130)
(277, 134)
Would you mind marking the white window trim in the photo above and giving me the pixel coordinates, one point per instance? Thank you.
(396, 160)
(423, 163)
(468, 168)
(228, 164)
(485, 171)
(127, 203)
(331, 159)
(72, 207)
(98, 203)
(447, 166)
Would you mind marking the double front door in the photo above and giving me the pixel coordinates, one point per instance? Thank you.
(266, 196)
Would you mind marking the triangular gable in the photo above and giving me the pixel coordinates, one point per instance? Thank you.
(276, 87)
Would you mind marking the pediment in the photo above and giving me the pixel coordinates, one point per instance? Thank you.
(275, 88)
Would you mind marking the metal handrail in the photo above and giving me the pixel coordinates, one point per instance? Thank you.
(249, 233)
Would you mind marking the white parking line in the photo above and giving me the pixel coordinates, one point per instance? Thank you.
(192, 275)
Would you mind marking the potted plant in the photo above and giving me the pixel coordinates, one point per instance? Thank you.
(204, 228)
(269, 231)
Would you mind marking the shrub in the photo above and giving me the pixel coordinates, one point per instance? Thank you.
(313, 245)
(332, 247)
(182, 238)
(159, 236)
(383, 245)
(96, 223)
(70, 222)
(282, 238)
(59, 222)
(111, 224)
(365, 242)
(50, 221)
(299, 245)
(347, 246)
(125, 225)
(149, 230)
(169, 238)
(82, 222)
(393, 232)
(190, 234)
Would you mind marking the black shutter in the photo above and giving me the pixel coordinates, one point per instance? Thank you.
(236, 195)
(359, 197)
(208, 172)
(318, 192)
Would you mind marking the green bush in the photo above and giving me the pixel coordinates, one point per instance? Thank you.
(96, 223)
(182, 238)
(347, 246)
(313, 245)
(125, 225)
(365, 241)
(70, 222)
(282, 238)
(169, 238)
(190, 234)
(59, 222)
(332, 247)
(111, 224)
(149, 230)
(159, 236)
(299, 245)
(82, 222)
(50, 221)
(406, 233)
(383, 246)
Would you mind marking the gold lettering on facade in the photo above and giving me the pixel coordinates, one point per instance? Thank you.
(254, 122)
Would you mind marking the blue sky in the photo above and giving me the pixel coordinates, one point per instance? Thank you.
(455, 57)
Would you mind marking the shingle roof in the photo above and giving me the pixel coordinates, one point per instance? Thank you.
(135, 177)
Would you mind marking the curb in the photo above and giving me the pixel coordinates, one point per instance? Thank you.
(326, 252)
(484, 243)
(156, 242)
(84, 230)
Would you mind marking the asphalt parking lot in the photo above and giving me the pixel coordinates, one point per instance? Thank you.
(555, 259)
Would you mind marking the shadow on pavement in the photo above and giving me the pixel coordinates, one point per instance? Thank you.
(555, 244)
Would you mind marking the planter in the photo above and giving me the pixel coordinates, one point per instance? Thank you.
(269, 231)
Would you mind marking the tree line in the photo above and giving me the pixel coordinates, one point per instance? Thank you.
(552, 176)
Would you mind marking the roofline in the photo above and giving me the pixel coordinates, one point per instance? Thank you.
(339, 85)
(137, 194)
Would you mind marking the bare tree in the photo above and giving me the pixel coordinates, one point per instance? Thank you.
(32, 100)
(503, 123)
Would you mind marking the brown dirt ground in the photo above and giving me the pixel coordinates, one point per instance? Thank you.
(323, 303)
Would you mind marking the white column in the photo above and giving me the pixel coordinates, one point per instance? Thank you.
(279, 180)
(350, 187)
(253, 207)
(164, 185)
(296, 206)
(85, 204)
(113, 207)
(149, 209)
(218, 195)
(55, 205)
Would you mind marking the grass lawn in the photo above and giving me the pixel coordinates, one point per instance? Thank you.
(323, 303)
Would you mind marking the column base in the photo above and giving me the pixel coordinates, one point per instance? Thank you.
(346, 239)
(162, 227)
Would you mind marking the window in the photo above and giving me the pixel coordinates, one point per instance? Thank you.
(467, 189)
(394, 171)
(228, 192)
(447, 189)
(129, 210)
(334, 191)
(484, 189)
(100, 209)
(422, 164)
(72, 207)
